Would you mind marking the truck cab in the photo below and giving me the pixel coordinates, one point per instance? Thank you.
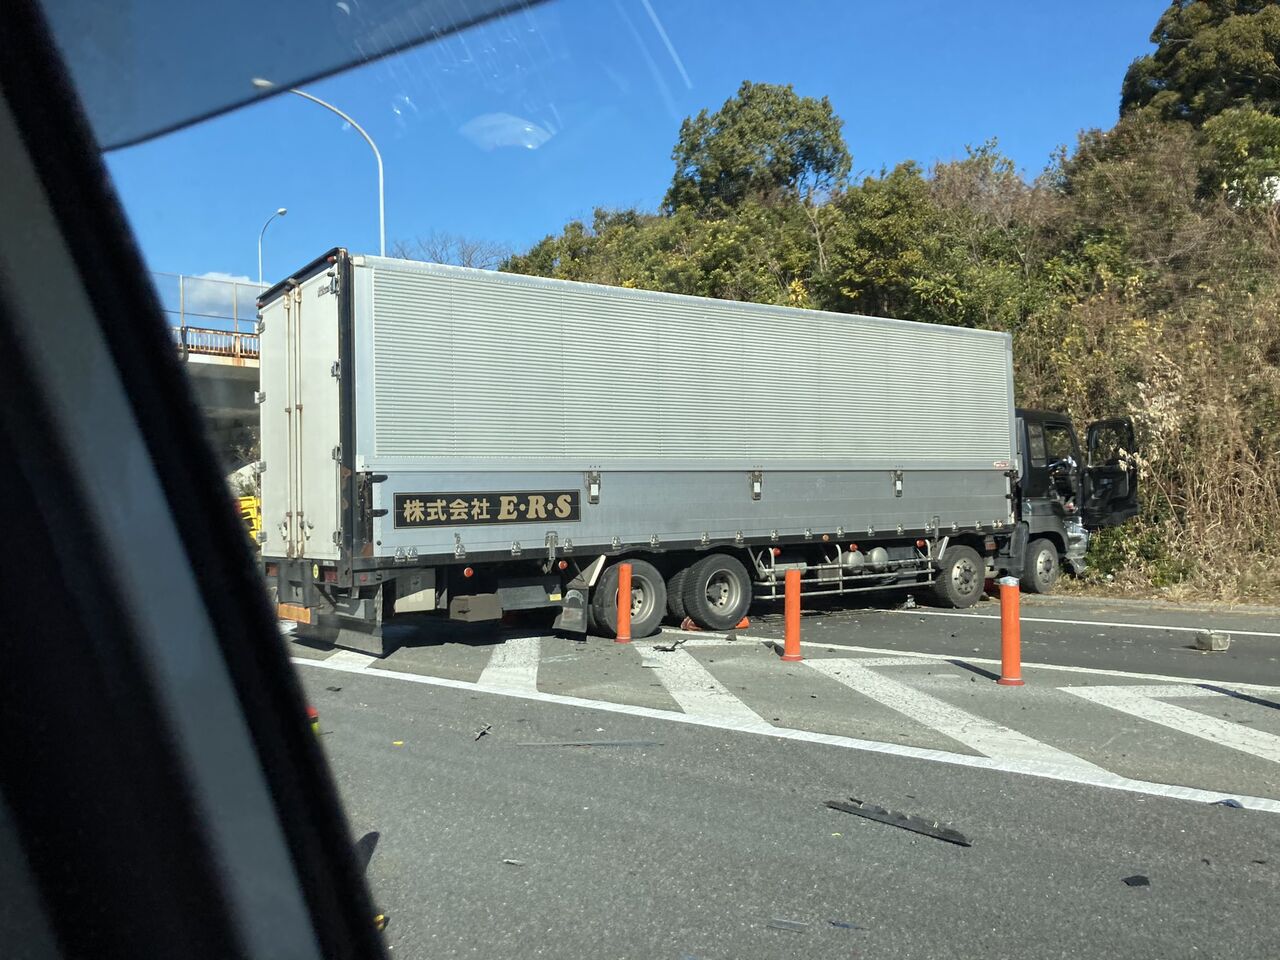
(1064, 492)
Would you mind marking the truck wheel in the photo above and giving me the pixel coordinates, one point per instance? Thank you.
(675, 595)
(648, 599)
(717, 592)
(1042, 569)
(961, 577)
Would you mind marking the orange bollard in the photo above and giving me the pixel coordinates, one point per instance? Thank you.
(624, 603)
(1010, 634)
(791, 617)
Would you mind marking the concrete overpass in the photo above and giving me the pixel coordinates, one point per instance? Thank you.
(213, 320)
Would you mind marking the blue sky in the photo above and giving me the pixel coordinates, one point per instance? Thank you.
(509, 130)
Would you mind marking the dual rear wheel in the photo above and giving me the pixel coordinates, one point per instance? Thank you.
(714, 591)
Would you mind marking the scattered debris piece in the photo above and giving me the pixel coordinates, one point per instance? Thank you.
(397, 743)
(333, 689)
(921, 825)
(1259, 862)
(513, 863)
(1212, 641)
(1137, 880)
(845, 925)
(484, 731)
(380, 921)
(909, 603)
(670, 647)
(593, 743)
(795, 926)
(1228, 802)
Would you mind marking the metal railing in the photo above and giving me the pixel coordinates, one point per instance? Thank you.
(216, 343)
(224, 309)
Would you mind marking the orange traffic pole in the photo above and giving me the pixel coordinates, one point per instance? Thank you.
(624, 603)
(1010, 634)
(791, 617)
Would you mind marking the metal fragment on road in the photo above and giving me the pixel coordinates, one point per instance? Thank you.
(333, 689)
(906, 821)
(780, 923)
(845, 925)
(1228, 802)
(512, 862)
(670, 647)
(592, 743)
(483, 731)
(1137, 880)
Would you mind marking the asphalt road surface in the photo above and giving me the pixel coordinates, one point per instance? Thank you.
(695, 817)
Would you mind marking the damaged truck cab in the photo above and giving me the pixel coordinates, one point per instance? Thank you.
(1065, 493)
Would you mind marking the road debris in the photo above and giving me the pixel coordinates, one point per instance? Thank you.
(1212, 641)
(1137, 880)
(795, 926)
(592, 743)
(909, 603)
(671, 647)
(397, 743)
(1228, 802)
(510, 862)
(845, 925)
(906, 821)
(333, 689)
(484, 731)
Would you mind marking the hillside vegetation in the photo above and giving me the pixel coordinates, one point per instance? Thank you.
(1139, 273)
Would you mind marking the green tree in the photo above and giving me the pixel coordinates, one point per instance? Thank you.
(1210, 55)
(1244, 146)
(767, 143)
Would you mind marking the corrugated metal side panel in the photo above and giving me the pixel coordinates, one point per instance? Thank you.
(473, 365)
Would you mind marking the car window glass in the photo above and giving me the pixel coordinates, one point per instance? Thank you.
(1035, 444)
(1058, 443)
(1110, 444)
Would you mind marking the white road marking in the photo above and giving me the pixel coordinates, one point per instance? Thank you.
(1080, 623)
(350, 658)
(1027, 665)
(973, 731)
(696, 690)
(1148, 704)
(1070, 774)
(513, 664)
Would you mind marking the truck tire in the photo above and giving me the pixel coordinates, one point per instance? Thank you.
(648, 599)
(1042, 569)
(961, 578)
(675, 595)
(717, 592)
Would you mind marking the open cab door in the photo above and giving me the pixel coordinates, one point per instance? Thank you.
(1111, 474)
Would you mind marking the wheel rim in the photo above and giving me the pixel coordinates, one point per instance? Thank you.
(723, 592)
(1046, 565)
(964, 576)
(641, 598)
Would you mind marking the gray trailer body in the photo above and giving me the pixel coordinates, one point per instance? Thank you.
(498, 415)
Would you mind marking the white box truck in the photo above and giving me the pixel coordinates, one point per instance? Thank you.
(436, 438)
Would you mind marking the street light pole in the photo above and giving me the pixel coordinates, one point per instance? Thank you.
(279, 213)
(382, 210)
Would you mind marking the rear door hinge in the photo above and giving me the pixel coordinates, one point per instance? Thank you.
(337, 453)
(335, 370)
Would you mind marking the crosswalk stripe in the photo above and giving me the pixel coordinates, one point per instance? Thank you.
(513, 665)
(352, 660)
(1074, 773)
(697, 692)
(978, 733)
(1148, 703)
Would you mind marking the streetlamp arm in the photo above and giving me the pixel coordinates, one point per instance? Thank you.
(382, 220)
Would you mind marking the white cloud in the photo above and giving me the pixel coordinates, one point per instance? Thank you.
(212, 294)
